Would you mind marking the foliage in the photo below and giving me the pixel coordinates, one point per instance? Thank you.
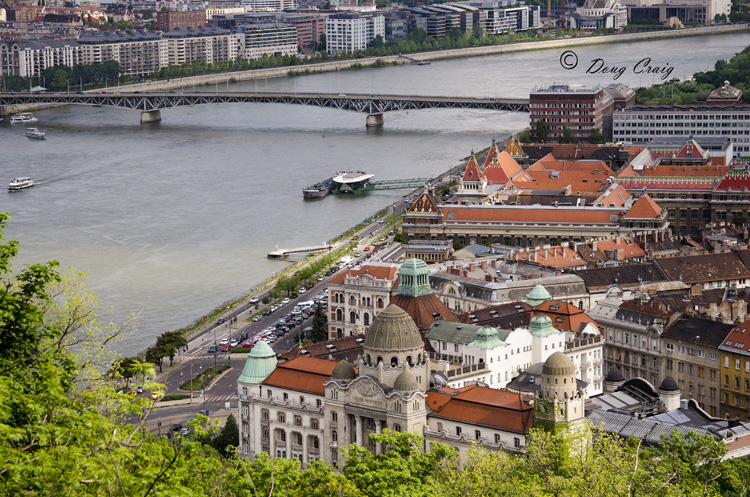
(568, 136)
(398, 237)
(59, 77)
(525, 136)
(319, 331)
(596, 136)
(541, 131)
(228, 437)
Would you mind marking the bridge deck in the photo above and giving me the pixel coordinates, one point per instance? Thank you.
(370, 104)
(279, 253)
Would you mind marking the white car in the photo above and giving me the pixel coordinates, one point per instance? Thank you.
(302, 290)
(285, 301)
(224, 341)
(254, 300)
(234, 343)
(256, 319)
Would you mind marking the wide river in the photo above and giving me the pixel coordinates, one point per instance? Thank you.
(170, 220)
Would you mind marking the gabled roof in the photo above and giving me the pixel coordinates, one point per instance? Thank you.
(564, 316)
(472, 170)
(424, 204)
(378, 271)
(423, 309)
(738, 340)
(699, 331)
(626, 171)
(622, 276)
(482, 406)
(643, 208)
(624, 248)
(704, 267)
(735, 183)
(513, 147)
(491, 154)
(495, 174)
(304, 374)
(614, 196)
(691, 149)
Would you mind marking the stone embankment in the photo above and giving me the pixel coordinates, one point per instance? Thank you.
(339, 65)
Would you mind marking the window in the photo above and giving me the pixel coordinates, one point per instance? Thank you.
(334, 417)
(477, 434)
(516, 442)
(458, 430)
(282, 418)
(318, 403)
(737, 364)
(397, 428)
(286, 396)
(334, 435)
(314, 424)
(297, 420)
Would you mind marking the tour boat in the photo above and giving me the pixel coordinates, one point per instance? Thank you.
(23, 117)
(19, 184)
(35, 133)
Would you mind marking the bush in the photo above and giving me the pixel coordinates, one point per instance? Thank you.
(174, 396)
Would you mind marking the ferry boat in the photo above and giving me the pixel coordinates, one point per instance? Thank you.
(23, 117)
(35, 133)
(352, 182)
(20, 184)
(318, 190)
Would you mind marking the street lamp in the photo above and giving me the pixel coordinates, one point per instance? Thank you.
(191, 382)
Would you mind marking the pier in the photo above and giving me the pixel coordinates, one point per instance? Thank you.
(281, 253)
(396, 184)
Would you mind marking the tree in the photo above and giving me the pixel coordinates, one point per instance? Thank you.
(525, 136)
(596, 136)
(541, 131)
(229, 436)
(568, 136)
(156, 354)
(398, 237)
(125, 368)
(322, 43)
(319, 325)
(171, 342)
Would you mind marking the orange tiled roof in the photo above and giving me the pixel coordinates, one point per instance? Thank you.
(472, 170)
(422, 308)
(511, 214)
(513, 147)
(564, 316)
(643, 208)
(377, 272)
(483, 406)
(627, 248)
(697, 171)
(491, 154)
(627, 171)
(495, 174)
(615, 196)
(557, 257)
(304, 374)
(738, 340)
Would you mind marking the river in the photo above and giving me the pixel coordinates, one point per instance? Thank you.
(171, 219)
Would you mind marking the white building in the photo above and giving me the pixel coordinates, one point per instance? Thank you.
(28, 58)
(208, 45)
(271, 39)
(357, 295)
(599, 14)
(347, 33)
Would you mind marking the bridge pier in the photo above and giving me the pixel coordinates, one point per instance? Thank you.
(374, 120)
(150, 116)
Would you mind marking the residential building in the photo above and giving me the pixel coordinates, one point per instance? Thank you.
(351, 32)
(691, 357)
(357, 295)
(720, 270)
(207, 45)
(735, 373)
(28, 58)
(138, 53)
(271, 39)
(180, 19)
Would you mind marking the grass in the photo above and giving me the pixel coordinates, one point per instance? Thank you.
(201, 380)
(174, 396)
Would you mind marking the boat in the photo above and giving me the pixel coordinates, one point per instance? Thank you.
(318, 190)
(20, 184)
(352, 182)
(23, 117)
(35, 133)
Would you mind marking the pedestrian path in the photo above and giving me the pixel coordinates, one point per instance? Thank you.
(220, 398)
(210, 356)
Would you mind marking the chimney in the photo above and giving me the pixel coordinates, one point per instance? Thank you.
(488, 277)
(471, 266)
(593, 246)
(695, 290)
(484, 265)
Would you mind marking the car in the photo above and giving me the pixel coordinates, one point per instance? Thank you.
(253, 300)
(243, 336)
(367, 249)
(302, 290)
(224, 341)
(381, 220)
(176, 426)
(139, 389)
(248, 344)
(80, 93)
(184, 432)
(267, 312)
(310, 286)
(382, 239)
(212, 349)
(342, 95)
(156, 395)
(226, 348)
(103, 93)
(234, 343)
(320, 278)
(220, 321)
(355, 237)
(256, 319)
(285, 300)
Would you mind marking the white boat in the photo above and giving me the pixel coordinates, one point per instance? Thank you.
(352, 182)
(23, 117)
(20, 184)
(35, 133)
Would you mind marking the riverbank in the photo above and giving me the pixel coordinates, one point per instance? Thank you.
(341, 65)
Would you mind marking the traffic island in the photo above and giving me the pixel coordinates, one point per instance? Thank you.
(202, 381)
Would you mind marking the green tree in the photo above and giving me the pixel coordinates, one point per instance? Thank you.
(171, 342)
(319, 331)
(398, 237)
(228, 437)
(596, 136)
(541, 131)
(568, 136)
(525, 136)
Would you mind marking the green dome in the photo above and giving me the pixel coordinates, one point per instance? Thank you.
(541, 326)
(537, 296)
(343, 371)
(414, 278)
(261, 361)
(393, 329)
(486, 339)
(558, 364)
(405, 382)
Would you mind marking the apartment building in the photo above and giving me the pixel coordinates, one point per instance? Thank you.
(27, 58)
(266, 38)
(138, 53)
(735, 373)
(348, 33)
(207, 45)
(171, 20)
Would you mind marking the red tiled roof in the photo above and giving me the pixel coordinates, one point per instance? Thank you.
(735, 182)
(495, 174)
(557, 257)
(377, 272)
(738, 339)
(564, 316)
(616, 196)
(626, 172)
(422, 308)
(491, 154)
(643, 208)
(508, 214)
(472, 170)
(483, 406)
(425, 204)
(694, 171)
(691, 149)
(627, 248)
(305, 374)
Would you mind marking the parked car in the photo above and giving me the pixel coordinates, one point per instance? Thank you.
(367, 249)
(234, 343)
(220, 321)
(139, 389)
(244, 335)
(310, 286)
(302, 290)
(212, 349)
(226, 348)
(294, 295)
(320, 278)
(285, 301)
(176, 426)
(257, 318)
(184, 432)
(224, 341)
(253, 300)
(247, 344)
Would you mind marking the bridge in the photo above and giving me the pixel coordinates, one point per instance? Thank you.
(280, 253)
(151, 103)
(396, 184)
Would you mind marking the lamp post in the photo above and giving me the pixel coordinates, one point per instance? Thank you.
(191, 382)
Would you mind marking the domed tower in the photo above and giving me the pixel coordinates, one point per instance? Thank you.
(669, 394)
(613, 380)
(393, 345)
(260, 363)
(544, 337)
(537, 296)
(343, 372)
(414, 278)
(559, 403)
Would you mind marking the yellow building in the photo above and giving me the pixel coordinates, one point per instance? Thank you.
(735, 373)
